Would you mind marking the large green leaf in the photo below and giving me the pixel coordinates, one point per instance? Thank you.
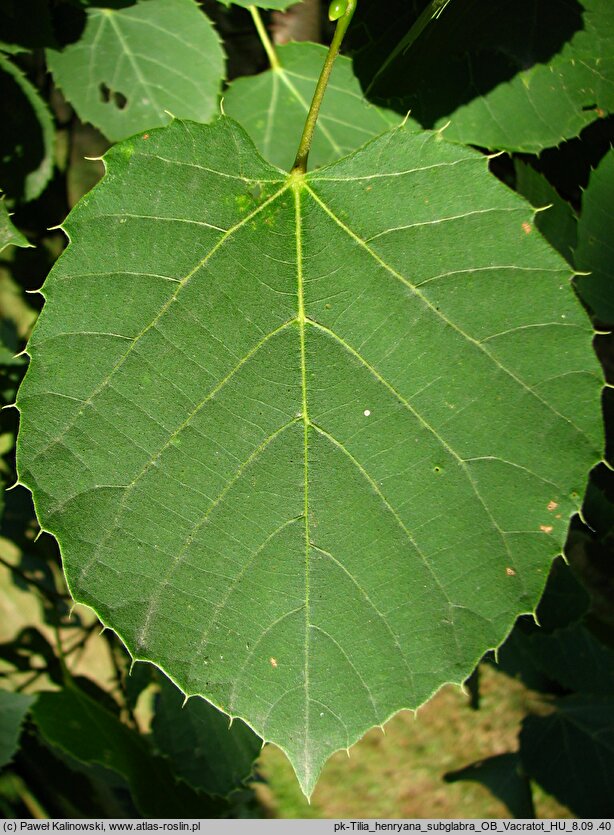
(595, 252)
(135, 65)
(272, 108)
(27, 139)
(570, 752)
(320, 449)
(13, 710)
(516, 74)
(205, 751)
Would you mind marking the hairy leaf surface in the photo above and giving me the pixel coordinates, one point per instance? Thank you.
(272, 108)
(133, 66)
(307, 443)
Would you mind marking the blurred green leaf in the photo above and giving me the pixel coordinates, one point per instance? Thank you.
(72, 721)
(280, 5)
(570, 753)
(140, 677)
(27, 139)
(9, 234)
(134, 66)
(565, 600)
(595, 250)
(13, 710)
(206, 750)
(504, 777)
(576, 659)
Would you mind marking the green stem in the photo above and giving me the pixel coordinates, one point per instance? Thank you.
(264, 38)
(432, 11)
(300, 163)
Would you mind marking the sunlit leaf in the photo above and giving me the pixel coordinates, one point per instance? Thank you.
(308, 443)
(136, 65)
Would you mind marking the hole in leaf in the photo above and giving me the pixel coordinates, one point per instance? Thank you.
(107, 95)
(120, 100)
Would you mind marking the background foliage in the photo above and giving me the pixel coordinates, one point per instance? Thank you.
(81, 734)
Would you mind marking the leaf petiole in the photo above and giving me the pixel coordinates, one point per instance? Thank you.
(343, 22)
(264, 38)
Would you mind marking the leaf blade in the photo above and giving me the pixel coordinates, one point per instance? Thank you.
(116, 79)
(523, 79)
(303, 482)
(272, 107)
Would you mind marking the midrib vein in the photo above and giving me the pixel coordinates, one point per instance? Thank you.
(305, 414)
(132, 60)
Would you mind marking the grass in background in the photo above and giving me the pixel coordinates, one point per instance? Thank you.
(399, 774)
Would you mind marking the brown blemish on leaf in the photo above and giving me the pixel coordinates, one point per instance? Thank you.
(145, 136)
(510, 572)
(600, 112)
(546, 528)
(552, 505)
(273, 663)
(526, 228)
